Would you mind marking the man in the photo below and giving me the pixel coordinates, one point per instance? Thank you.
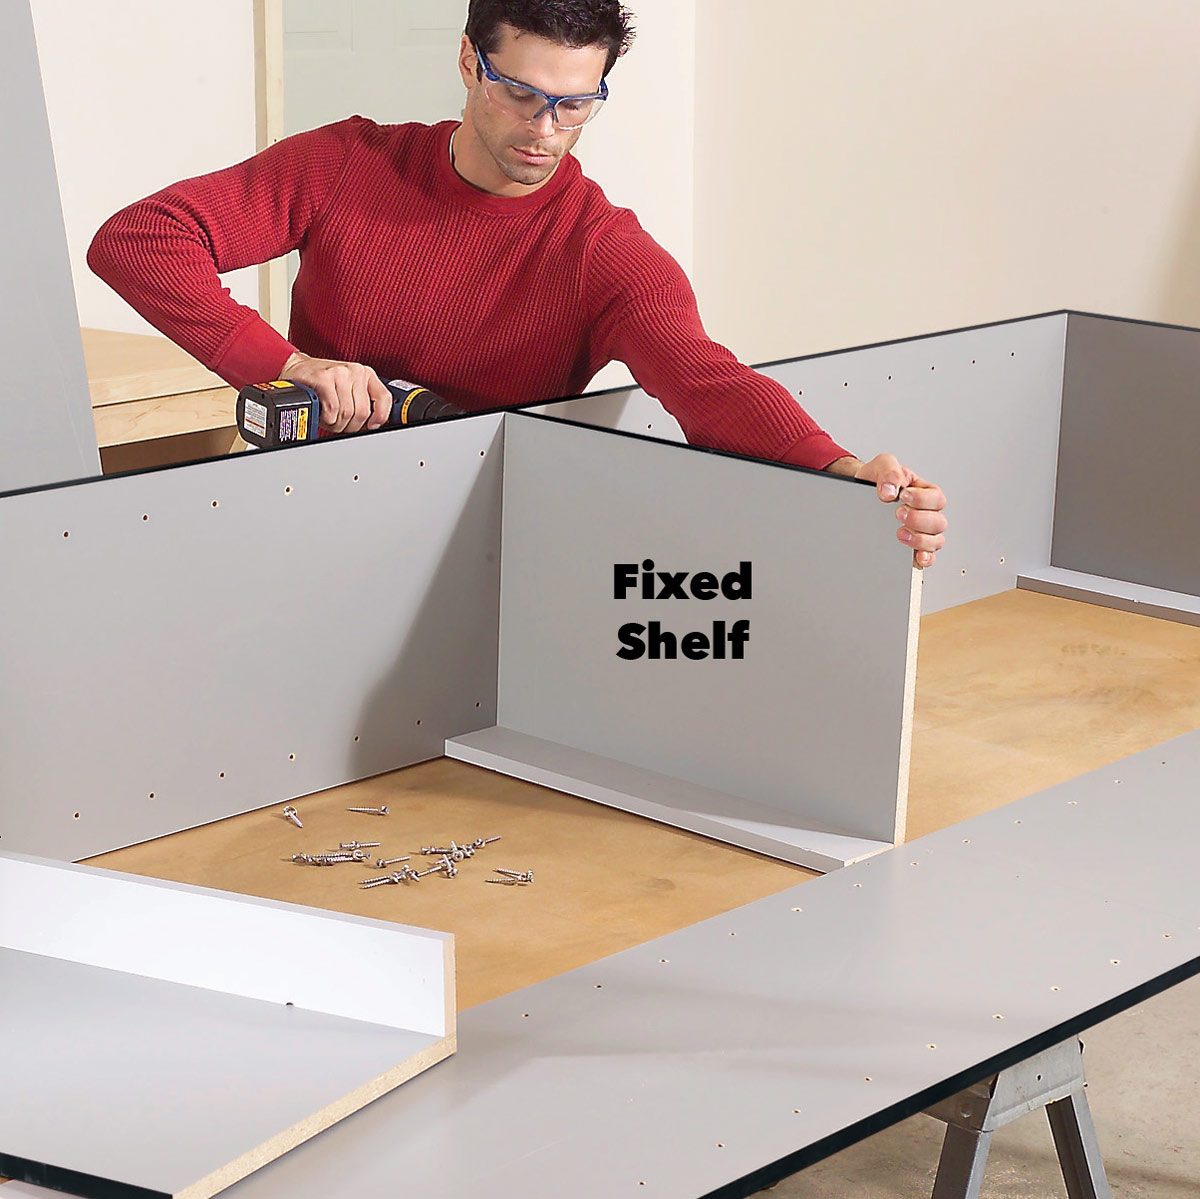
(473, 257)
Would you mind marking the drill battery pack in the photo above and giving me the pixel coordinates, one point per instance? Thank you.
(278, 413)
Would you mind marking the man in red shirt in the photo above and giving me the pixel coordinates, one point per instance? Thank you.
(473, 257)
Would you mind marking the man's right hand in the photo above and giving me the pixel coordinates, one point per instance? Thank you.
(352, 395)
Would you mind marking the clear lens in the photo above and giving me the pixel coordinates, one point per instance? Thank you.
(527, 105)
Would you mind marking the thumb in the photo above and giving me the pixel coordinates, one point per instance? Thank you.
(889, 483)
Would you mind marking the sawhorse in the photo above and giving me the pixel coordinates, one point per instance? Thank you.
(1052, 1079)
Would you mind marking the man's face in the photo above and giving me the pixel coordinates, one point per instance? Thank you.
(528, 152)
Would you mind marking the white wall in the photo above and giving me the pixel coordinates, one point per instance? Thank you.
(141, 93)
(867, 171)
(642, 148)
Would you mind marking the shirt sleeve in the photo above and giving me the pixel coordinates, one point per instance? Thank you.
(644, 314)
(163, 254)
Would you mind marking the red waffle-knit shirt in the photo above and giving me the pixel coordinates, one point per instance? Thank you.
(404, 266)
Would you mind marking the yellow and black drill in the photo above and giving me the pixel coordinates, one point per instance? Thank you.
(283, 412)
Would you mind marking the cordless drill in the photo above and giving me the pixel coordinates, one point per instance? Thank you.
(283, 412)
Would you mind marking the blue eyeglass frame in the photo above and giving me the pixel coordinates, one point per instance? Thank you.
(551, 102)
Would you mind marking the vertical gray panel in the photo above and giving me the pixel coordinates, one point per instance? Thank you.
(1128, 506)
(975, 411)
(809, 722)
(182, 645)
(46, 430)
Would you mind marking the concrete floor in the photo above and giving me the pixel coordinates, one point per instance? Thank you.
(1143, 1071)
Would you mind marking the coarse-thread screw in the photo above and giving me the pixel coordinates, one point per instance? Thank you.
(350, 846)
(480, 842)
(345, 855)
(290, 813)
(329, 859)
(445, 866)
(384, 863)
(521, 876)
(505, 882)
(371, 811)
(398, 876)
(433, 851)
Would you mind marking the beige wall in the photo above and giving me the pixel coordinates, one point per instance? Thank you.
(868, 170)
(140, 93)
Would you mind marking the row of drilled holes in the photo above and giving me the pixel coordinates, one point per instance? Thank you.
(221, 774)
(846, 383)
(287, 490)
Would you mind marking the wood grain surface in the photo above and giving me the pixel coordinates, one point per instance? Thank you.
(126, 367)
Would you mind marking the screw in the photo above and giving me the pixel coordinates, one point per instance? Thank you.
(433, 851)
(384, 863)
(520, 876)
(399, 876)
(290, 813)
(480, 842)
(445, 866)
(349, 846)
(371, 811)
(505, 882)
(329, 859)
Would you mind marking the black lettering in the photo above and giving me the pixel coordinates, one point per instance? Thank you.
(662, 645)
(630, 636)
(648, 579)
(729, 584)
(695, 646)
(739, 635)
(624, 577)
(704, 585)
(672, 584)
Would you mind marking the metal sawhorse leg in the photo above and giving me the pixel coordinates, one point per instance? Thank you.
(1053, 1080)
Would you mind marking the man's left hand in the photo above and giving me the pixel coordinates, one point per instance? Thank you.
(919, 504)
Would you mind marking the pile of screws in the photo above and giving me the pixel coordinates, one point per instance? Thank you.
(450, 857)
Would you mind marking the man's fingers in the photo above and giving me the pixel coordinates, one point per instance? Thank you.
(919, 494)
(339, 378)
(381, 401)
(921, 541)
(891, 479)
(920, 521)
(360, 398)
(330, 405)
(923, 558)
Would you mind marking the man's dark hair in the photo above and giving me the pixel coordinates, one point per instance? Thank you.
(568, 22)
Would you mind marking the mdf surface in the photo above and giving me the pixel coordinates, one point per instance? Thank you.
(1126, 507)
(47, 420)
(811, 722)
